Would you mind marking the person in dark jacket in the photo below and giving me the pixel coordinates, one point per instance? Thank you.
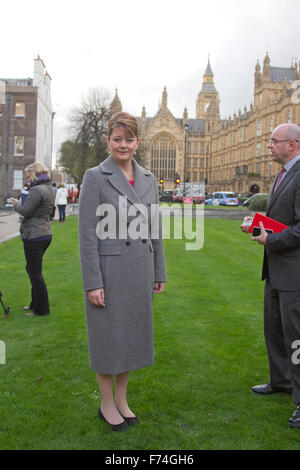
(36, 233)
(281, 270)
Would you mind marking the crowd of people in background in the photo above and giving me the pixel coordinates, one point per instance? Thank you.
(62, 195)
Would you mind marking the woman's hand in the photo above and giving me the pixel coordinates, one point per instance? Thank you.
(96, 297)
(159, 287)
(14, 201)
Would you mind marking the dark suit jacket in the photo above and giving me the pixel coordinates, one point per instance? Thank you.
(282, 253)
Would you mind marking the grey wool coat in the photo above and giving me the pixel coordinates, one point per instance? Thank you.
(120, 335)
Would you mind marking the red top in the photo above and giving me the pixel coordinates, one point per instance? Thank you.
(131, 182)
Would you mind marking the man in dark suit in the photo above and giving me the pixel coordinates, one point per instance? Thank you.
(281, 270)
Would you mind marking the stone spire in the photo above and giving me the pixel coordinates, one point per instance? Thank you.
(164, 103)
(143, 121)
(257, 76)
(267, 68)
(208, 69)
(185, 116)
(116, 105)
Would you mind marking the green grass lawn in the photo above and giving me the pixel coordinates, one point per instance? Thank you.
(206, 207)
(209, 351)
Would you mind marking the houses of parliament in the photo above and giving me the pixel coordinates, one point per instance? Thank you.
(228, 154)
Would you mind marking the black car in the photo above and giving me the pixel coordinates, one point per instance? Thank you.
(167, 196)
(251, 198)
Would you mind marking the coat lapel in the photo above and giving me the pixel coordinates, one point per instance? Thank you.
(284, 183)
(142, 180)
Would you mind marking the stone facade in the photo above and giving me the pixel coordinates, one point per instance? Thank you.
(239, 157)
(228, 154)
(176, 147)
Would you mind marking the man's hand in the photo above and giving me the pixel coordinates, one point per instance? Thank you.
(263, 235)
(246, 224)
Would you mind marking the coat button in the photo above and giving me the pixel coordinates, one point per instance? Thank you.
(128, 243)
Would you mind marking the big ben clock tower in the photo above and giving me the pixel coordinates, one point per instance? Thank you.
(208, 95)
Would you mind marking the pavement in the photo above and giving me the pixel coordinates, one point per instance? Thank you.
(9, 225)
(10, 222)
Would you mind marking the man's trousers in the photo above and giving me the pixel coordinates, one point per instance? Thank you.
(282, 335)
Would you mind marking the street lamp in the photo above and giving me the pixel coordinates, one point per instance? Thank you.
(7, 117)
(186, 126)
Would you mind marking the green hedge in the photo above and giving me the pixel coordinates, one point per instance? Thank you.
(259, 203)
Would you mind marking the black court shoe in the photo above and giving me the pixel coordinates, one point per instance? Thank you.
(131, 421)
(115, 427)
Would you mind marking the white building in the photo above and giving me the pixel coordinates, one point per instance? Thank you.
(44, 120)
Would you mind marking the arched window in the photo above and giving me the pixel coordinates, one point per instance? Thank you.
(163, 157)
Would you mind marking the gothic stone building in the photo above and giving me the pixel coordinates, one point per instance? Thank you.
(228, 154)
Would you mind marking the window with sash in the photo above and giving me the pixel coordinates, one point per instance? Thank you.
(18, 179)
(19, 145)
(19, 109)
(163, 157)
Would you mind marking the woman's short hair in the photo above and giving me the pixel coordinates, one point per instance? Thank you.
(61, 185)
(125, 120)
(35, 169)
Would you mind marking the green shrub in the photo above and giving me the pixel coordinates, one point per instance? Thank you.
(259, 203)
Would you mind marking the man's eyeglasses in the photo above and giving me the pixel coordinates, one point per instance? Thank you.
(275, 141)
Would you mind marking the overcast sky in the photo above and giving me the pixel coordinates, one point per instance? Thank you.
(140, 46)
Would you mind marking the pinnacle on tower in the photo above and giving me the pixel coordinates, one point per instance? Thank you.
(164, 98)
(116, 105)
(208, 69)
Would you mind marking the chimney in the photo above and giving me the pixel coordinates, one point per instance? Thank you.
(39, 71)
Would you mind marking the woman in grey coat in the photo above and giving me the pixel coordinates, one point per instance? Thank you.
(122, 265)
(36, 233)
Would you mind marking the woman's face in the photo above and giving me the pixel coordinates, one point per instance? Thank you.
(122, 145)
(28, 178)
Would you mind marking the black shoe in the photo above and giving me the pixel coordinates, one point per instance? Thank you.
(131, 421)
(268, 389)
(294, 420)
(115, 427)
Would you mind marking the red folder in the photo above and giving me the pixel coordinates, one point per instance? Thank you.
(269, 224)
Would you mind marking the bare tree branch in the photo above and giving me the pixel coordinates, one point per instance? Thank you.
(88, 126)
